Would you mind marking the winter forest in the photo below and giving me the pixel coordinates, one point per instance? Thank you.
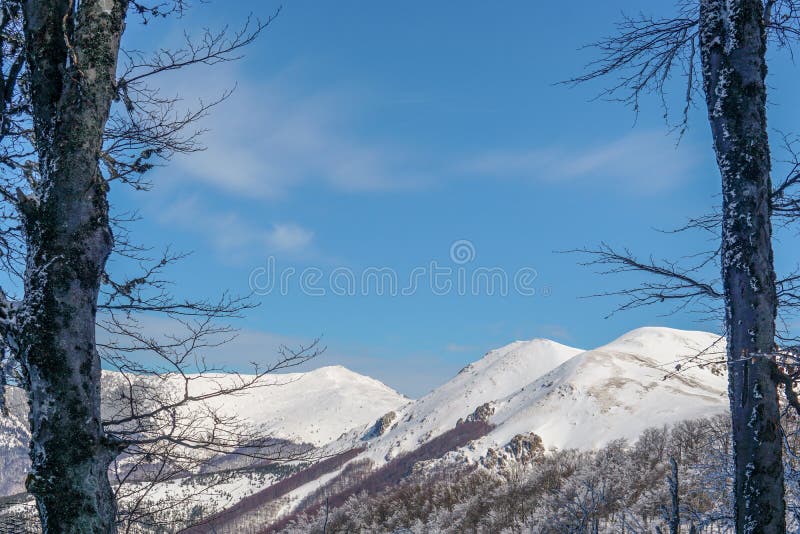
(367, 267)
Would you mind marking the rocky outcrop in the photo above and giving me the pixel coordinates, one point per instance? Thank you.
(522, 449)
(481, 414)
(525, 448)
(381, 426)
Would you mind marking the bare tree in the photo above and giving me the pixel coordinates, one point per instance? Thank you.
(76, 116)
(733, 55)
(719, 47)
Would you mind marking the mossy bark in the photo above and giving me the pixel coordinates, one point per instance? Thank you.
(733, 47)
(72, 61)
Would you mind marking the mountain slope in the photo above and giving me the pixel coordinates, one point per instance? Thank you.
(570, 398)
(315, 407)
(616, 391)
(499, 373)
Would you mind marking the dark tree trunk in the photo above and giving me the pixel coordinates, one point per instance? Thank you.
(72, 63)
(674, 513)
(733, 46)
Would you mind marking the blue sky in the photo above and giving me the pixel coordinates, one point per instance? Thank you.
(365, 135)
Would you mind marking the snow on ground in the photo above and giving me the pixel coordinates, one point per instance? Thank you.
(14, 437)
(214, 495)
(290, 501)
(224, 491)
(570, 397)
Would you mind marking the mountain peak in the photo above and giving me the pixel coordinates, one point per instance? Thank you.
(538, 350)
(332, 370)
(666, 345)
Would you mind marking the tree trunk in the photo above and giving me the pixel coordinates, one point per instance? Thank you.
(72, 67)
(733, 46)
(675, 512)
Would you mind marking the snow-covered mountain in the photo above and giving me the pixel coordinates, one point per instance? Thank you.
(569, 397)
(315, 407)
(500, 373)
(617, 391)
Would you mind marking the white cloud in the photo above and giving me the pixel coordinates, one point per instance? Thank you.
(233, 237)
(270, 137)
(288, 236)
(641, 162)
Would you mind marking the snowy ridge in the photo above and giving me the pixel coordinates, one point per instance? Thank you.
(315, 407)
(616, 391)
(569, 397)
(499, 373)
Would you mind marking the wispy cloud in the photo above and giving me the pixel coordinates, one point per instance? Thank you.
(288, 236)
(271, 136)
(233, 237)
(641, 162)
